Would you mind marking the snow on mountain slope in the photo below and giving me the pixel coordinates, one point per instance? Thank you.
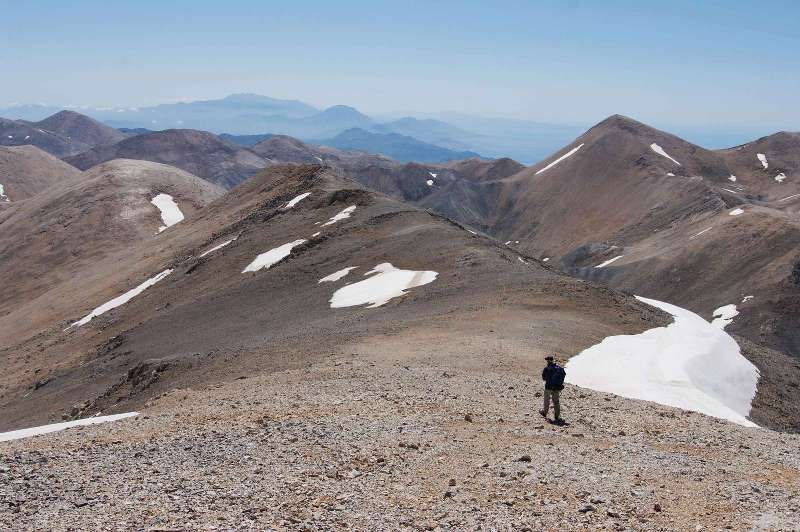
(386, 283)
(56, 427)
(690, 364)
(170, 212)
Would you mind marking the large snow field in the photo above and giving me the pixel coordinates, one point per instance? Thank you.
(120, 300)
(170, 213)
(688, 364)
(273, 256)
(659, 150)
(386, 283)
(55, 427)
(568, 154)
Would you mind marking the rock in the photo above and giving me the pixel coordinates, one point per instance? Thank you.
(524, 458)
(657, 507)
(451, 482)
(586, 508)
(468, 418)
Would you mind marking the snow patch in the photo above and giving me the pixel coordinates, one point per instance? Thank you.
(763, 159)
(659, 150)
(120, 300)
(429, 182)
(789, 197)
(471, 231)
(432, 175)
(335, 276)
(387, 283)
(732, 178)
(568, 154)
(316, 234)
(736, 212)
(341, 216)
(703, 231)
(273, 256)
(218, 246)
(3, 196)
(545, 259)
(688, 364)
(170, 213)
(670, 174)
(55, 427)
(780, 177)
(609, 261)
(724, 315)
(297, 199)
(745, 299)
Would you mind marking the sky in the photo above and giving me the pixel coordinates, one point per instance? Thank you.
(710, 64)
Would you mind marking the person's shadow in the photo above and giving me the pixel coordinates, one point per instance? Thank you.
(558, 423)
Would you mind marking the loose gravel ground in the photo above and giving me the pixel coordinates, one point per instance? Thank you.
(371, 441)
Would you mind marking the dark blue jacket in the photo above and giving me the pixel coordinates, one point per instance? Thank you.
(548, 374)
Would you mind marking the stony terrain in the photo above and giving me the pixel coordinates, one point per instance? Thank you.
(408, 433)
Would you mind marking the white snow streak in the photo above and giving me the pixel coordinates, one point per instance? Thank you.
(341, 216)
(387, 283)
(724, 315)
(609, 261)
(569, 153)
(170, 213)
(670, 174)
(296, 200)
(55, 427)
(316, 234)
(689, 364)
(736, 212)
(733, 191)
(659, 150)
(120, 300)
(3, 196)
(789, 197)
(335, 276)
(780, 177)
(218, 246)
(273, 256)
(701, 232)
(433, 175)
(763, 159)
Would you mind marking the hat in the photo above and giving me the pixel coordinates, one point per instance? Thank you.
(549, 358)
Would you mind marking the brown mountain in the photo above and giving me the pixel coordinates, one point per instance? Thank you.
(197, 152)
(26, 171)
(73, 234)
(208, 321)
(80, 128)
(682, 229)
(63, 134)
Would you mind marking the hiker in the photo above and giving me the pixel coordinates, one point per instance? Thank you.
(553, 376)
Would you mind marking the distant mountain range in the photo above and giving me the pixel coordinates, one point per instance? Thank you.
(258, 116)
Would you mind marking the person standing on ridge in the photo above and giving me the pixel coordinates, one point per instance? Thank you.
(553, 376)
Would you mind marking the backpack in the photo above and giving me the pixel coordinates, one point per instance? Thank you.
(555, 381)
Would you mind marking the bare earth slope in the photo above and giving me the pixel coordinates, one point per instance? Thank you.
(209, 321)
(26, 170)
(197, 152)
(78, 231)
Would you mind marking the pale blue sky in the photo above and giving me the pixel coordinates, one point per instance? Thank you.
(712, 64)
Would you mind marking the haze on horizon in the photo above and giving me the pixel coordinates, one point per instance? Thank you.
(723, 63)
